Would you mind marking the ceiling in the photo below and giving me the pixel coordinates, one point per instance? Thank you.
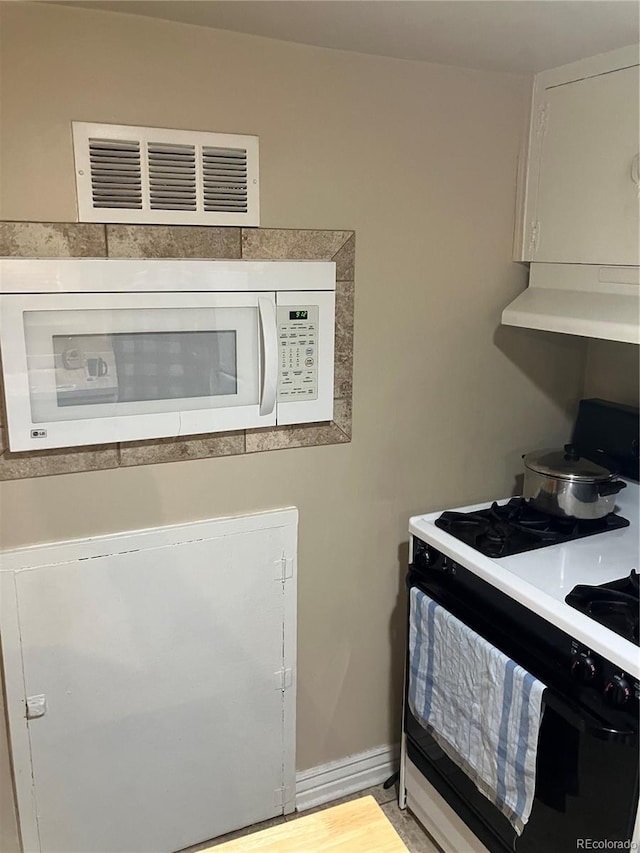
(519, 36)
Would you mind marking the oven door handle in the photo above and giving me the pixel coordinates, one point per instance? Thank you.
(587, 722)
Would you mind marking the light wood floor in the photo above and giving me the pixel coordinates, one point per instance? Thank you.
(409, 830)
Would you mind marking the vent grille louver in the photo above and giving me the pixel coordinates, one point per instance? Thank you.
(154, 175)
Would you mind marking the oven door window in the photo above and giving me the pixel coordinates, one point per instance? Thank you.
(86, 364)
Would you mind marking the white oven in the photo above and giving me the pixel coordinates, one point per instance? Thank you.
(97, 351)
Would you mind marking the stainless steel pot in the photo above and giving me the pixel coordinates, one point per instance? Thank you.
(563, 483)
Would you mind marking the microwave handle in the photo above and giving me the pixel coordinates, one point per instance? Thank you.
(269, 341)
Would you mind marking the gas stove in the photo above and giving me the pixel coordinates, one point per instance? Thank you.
(544, 609)
(559, 598)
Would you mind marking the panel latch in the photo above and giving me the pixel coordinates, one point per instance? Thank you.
(36, 706)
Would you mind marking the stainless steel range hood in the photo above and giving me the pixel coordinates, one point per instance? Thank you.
(580, 299)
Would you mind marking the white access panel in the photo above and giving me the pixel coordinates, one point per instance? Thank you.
(158, 669)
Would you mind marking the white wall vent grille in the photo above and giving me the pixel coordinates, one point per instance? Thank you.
(154, 175)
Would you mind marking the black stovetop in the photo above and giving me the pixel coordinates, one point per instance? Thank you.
(516, 527)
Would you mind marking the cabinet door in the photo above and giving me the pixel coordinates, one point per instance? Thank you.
(587, 199)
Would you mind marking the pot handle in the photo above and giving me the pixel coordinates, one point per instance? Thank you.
(611, 488)
(570, 453)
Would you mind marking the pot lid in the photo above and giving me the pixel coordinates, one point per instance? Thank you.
(566, 464)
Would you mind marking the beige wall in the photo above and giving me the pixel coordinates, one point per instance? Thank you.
(421, 161)
(612, 372)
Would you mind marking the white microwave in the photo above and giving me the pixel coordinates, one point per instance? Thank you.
(97, 351)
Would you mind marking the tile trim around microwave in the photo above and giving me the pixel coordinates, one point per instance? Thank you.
(83, 240)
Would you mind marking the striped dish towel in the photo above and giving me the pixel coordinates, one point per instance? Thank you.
(482, 708)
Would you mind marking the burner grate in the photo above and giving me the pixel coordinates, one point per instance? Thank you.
(516, 527)
(613, 604)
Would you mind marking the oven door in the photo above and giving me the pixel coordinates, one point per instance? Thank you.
(92, 368)
(586, 781)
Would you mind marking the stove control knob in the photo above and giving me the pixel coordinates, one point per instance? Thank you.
(617, 691)
(424, 556)
(583, 668)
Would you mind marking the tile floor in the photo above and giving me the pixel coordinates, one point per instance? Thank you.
(409, 830)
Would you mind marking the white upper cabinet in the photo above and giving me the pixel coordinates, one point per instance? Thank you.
(581, 186)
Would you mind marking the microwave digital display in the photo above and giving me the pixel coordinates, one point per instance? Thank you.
(298, 315)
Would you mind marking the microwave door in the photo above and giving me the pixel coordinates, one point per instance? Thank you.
(94, 368)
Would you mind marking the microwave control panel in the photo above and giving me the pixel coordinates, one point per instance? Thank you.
(297, 352)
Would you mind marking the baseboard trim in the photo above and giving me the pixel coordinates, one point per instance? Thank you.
(348, 775)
